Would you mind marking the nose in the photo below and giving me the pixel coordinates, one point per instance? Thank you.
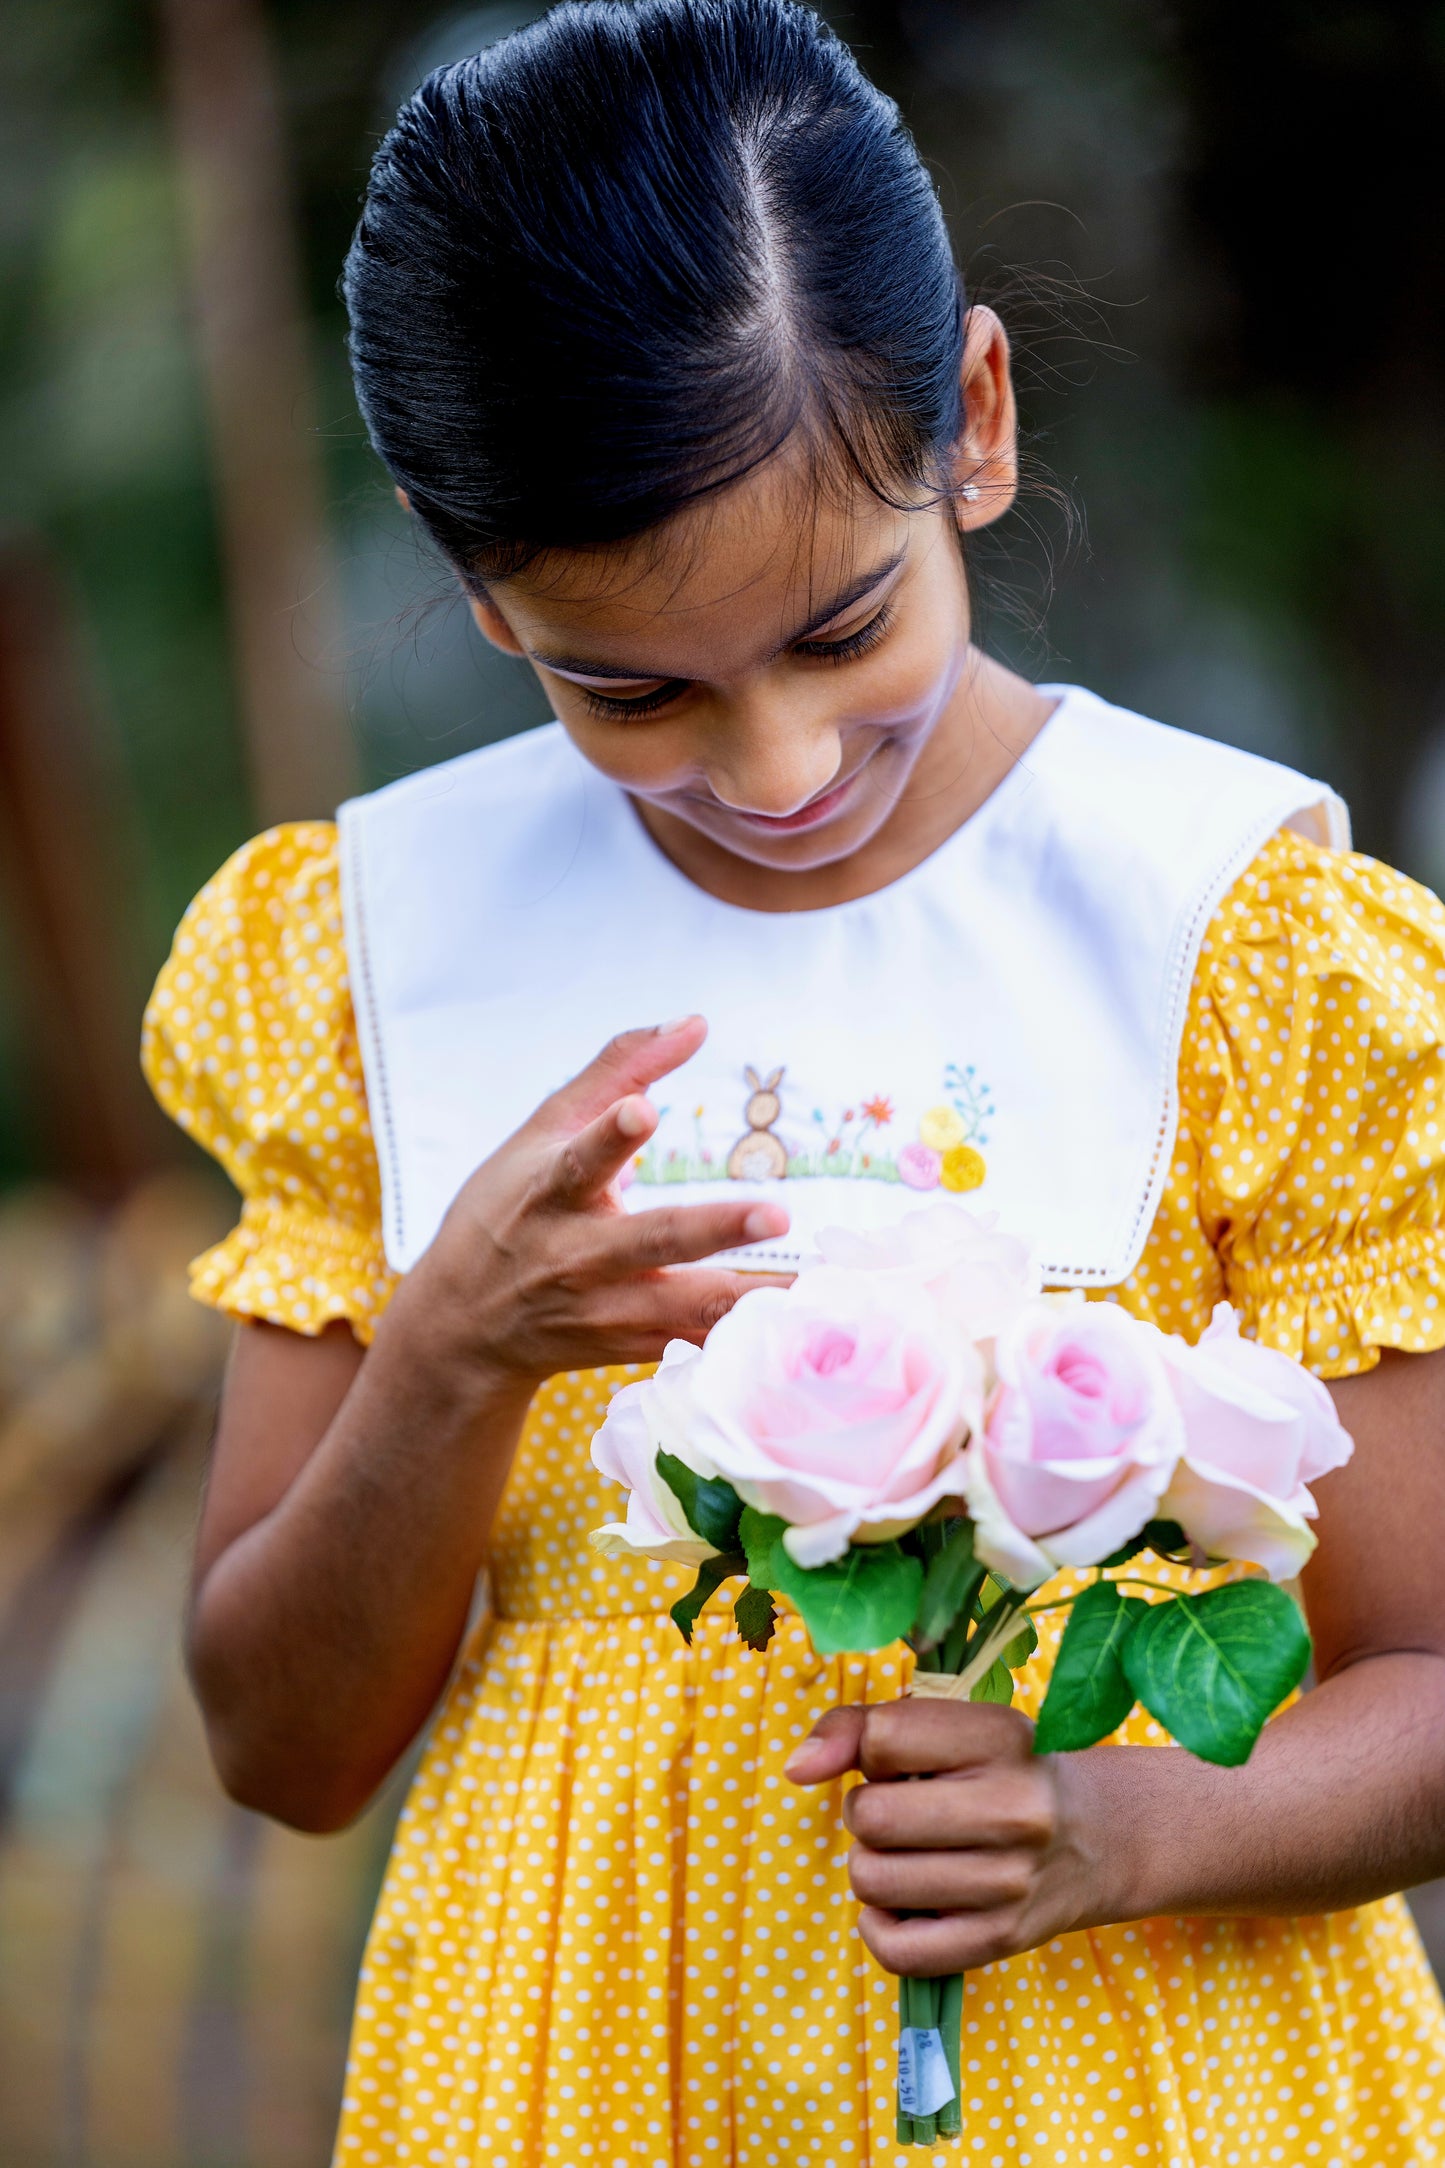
(771, 762)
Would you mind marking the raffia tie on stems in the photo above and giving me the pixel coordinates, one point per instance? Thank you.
(935, 2007)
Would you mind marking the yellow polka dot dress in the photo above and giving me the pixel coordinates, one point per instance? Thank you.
(611, 1934)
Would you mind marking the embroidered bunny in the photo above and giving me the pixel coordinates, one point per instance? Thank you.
(760, 1156)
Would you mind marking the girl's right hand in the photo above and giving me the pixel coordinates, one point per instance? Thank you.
(538, 1268)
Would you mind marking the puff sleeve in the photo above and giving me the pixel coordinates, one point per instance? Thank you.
(249, 1044)
(1313, 1105)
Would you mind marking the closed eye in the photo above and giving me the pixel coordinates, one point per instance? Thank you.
(631, 707)
(861, 642)
(635, 707)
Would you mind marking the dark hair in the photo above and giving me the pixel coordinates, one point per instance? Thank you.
(615, 261)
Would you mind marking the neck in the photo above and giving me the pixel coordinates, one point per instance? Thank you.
(988, 722)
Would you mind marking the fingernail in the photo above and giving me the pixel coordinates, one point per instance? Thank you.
(765, 1221)
(633, 1116)
(798, 1754)
(679, 1023)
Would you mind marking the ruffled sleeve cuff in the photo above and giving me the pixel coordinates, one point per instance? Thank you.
(1336, 1311)
(289, 1267)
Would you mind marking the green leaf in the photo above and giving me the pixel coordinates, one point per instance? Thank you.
(710, 1576)
(755, 1615)
(1089, 1693)
(949, 1586)
(760, 1535)
(712, 1506)
(864, 1600)
(1022, 1646)
(1211, 1668)
(997, 1684)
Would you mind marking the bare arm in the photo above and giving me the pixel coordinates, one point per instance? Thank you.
(1343, 1800)
(351, 1494)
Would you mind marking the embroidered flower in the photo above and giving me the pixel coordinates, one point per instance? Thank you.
(962, 1167)
(941, 1128)
(919, 1167)
(878, 1111)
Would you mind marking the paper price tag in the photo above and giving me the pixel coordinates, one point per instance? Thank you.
(923, 2080)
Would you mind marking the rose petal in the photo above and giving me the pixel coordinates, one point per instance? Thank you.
(1003, 1547)
(1235, 1523)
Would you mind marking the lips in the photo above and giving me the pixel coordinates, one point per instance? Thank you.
(810, 815)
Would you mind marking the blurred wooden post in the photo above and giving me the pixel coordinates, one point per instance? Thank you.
(64, 880)
(247, 293)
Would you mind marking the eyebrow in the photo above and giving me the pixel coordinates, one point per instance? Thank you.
(579, 666)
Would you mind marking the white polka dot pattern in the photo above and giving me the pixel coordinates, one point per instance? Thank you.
(250, 1045)
(611, 1932)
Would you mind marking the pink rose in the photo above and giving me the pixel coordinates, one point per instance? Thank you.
(1081, 1440)
(839, 1403)
(1258, 1428)
(979, 1278)
(919, 1167)
(641, 1417)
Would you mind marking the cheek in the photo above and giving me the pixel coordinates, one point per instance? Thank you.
(647, 757)
(906, 684)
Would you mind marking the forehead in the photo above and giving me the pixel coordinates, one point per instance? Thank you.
(724, 581)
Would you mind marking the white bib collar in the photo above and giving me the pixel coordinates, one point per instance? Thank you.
(1000, 1027)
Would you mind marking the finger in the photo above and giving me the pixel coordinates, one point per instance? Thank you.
(628, 1063)
(582, 1166)
(923, 1738)
(991, 1809)
(830, 1748)
(666, 1235)
(941, 1881)
(930, 1949)
(682, 1305)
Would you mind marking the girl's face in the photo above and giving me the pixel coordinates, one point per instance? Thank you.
(774, 690)
(768, 669)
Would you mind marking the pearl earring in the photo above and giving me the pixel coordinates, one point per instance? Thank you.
(969, 492)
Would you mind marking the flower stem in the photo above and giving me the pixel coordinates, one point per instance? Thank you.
(925, 2017)
(950, 2024)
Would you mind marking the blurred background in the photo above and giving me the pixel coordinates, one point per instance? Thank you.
(212, 616)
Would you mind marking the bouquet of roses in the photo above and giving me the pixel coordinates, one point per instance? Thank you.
(911, 1438)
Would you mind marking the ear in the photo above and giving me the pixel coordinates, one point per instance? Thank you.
(402, 498)
(774, 1081)
(755, 1082)
(492, 624)
(985, 465)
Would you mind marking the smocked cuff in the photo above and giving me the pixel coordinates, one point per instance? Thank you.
(290, 1267)
(1336, 1312)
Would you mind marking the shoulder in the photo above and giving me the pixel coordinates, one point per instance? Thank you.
(270, 916)
(279, 879)
(507, 776)
(1312, 1084)
(1302, 919)
(255, 986)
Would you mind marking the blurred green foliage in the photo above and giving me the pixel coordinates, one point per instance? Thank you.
(1248, 410)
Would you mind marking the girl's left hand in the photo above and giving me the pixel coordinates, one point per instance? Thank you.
(997, 1843)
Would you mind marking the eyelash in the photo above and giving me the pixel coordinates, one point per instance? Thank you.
(629, 711)
(859, 643)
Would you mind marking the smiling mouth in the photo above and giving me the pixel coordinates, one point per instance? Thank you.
(810, 815)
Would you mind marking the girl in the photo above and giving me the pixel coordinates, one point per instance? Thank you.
(655, 327)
